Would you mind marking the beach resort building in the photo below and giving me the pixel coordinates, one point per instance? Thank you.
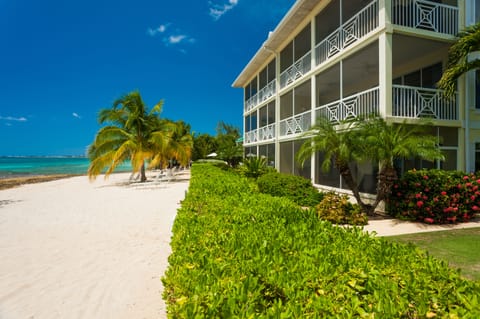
(346, 58)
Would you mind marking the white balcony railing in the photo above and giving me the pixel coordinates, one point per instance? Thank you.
(267, 92)
(415, 102)
(427, 15)
(266, 133)
(296, 70)
(296, 124)
(351, 31)
(251, 103)
(250, 137)
(363, 103)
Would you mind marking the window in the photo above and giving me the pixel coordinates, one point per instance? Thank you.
(426, 77)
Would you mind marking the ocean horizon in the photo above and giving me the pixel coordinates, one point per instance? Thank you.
(19, 166)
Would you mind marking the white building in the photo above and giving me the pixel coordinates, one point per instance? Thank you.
(345, 58)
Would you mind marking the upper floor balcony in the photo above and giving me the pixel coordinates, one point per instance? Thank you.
(264, 94)
(426, 15)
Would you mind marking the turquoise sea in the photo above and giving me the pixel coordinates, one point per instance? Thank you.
(26, 166)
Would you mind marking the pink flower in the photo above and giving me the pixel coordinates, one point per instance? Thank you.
(419, 204)
(468, 184)
(465, 178)
(472, 197)
(475, 208)
(478, 181)
(395, 186)
(425, 197)
(417, 196)
(417, 184)
(425, 177)
(427, 189)
(443, 193)
(428, 220)
(435, 199)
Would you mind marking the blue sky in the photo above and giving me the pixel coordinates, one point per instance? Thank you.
(62, 61)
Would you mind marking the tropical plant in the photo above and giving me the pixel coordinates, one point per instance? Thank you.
(132, 133)
(373, 140)
(254, 166)
(229, 149)
(340, 146)
(174, 147)
(468, 41)
(384, 142)
(337, 209)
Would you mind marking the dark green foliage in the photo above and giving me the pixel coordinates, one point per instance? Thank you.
(337, 209)
(435, 196)
(240, 254)
(254, 166)
(296, 188)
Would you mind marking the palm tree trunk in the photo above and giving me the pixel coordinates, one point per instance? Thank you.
(386, 178)
(347, 176)
(143, 177)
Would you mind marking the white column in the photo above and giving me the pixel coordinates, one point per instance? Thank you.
(312, 92)
(277, 110)
(385, 74)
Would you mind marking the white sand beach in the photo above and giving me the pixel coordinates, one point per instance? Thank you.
(75, 249)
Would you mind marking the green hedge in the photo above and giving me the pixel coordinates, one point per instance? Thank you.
(435, 196)
(240, 254)
(296, 188)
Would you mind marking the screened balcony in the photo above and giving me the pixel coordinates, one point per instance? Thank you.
(437, 16)
(417, 102)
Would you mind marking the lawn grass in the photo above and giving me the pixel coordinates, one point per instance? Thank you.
(460, 248)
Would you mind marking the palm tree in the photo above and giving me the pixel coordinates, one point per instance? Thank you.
(176, 145)
(372, 140)
(131, 133)
(468, 41)
(339, 146)
(384, 142)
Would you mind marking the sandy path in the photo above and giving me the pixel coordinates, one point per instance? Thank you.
(74, 249)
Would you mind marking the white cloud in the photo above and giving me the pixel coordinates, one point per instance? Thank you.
(218, 10)
(175, 39)
(11, 118)
(161, 29)
(76, 115)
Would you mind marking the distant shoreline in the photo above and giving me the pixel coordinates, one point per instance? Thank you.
(11, 182)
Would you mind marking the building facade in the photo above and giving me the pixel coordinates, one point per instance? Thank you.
(348, 58)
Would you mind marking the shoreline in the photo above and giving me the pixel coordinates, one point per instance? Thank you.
(12, 182)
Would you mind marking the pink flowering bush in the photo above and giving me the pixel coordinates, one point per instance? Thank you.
(435, 196)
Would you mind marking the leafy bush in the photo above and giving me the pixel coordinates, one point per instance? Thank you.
(296, 188)
(237, 253)
(435, 196)
(338, 210)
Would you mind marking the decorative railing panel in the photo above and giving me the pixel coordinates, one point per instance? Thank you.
(350, 32)
(296, 70)
(250, 137)
(296, 124)
(266, 133)
(427, 15)
(361, 104)
(267, 92)
(415, 102)
(251, 103)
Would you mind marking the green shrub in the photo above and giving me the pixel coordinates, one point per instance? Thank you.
(435, 196)
(338, 210)
(296, 188)
(237, 253)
